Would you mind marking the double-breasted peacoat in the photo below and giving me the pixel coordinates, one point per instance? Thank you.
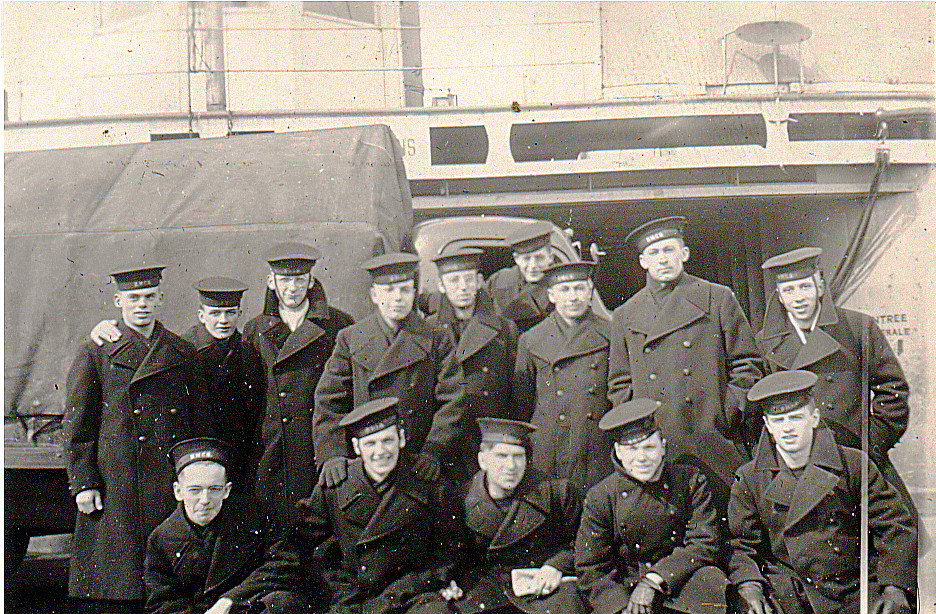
(398, 546)
(669, 527)
(801, 535)
(418, 366)
(486, 350)
(127, 403)
(561, 387)
(293, 362)
(187, 571)
(537, 528)
(690, 347)
(525, 303)
(833, 351)
(230, 380)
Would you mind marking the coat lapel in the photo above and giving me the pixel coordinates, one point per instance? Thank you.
(162, 356)
(819, 345)
(818, 480)
(527, 513)
(481, 513)
(126, 354)
(548, 342)
(406, 502)
(481, 330)
(411, 345)
(586, 339)
(307, 332)
(231, 552)
(688, 302)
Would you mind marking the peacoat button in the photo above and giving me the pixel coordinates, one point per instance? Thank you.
(137, 412)
(647, 350)
(485, 393)
(591, 390)
(285, 419)
(363, 567)
(562, 417)
(556, 368)
(828, 378)
(686, 371)
(687, 343)
(141, 438)
(484, 369)
(173, 411)
(559, 393)
(653, 376)
(282, 395)
(593, 365)
(688, 400)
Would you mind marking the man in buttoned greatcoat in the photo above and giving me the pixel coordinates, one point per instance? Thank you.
(127, 403)
(520, 522)
(399, 535)
(685, 342)
(295, 335)
(561, 380)
(485, 347)
(803, 329)
(649, 536)
(794, 516)
(519, 292)
(392, 352)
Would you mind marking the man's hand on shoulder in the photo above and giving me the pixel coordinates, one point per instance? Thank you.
(105, 330)
(892, 601)
(753, 594)
(334, 471)
(89, 501)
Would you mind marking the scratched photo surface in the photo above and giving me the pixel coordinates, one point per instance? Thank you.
(198, 134)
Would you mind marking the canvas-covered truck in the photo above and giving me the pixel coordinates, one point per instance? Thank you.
(202, 207)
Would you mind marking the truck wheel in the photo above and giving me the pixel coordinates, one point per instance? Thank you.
(16, 542)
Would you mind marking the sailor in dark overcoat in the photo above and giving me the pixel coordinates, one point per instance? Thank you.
(392, 352)
(485, 347)
(518, 291)
(210, 543)
(294, 335)
(803, 329)
(229, 372)
(127, 403)
(399, 535)
(794, 515)
(518, 519)
(685, 342)
(561, 380)
(649, 535)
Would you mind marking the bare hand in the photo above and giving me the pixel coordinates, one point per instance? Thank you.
(105, 330)
(753, 594)
(549, 578)
(450, 592)
(89, 501)
(221, 606)
(641, 599)
(892, 601)
(334, 471)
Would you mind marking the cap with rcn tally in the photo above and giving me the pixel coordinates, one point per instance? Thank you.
(504, 430)
(656, 230)
(569, 271)
(797, 264)
(292, 258)
(391, 268)
(189, 451)
(632, 421)
(530, 237)
(138, 278)
(783, 392)
(371, 417)
(464, 259)
(220, 291)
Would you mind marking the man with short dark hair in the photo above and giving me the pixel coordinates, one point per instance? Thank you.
(485, 347)
(399, 535)
(561, 380)
(794, 515)
(392, 352)
(518, 291)
(127, 403)
(523, 526)
(649, 535)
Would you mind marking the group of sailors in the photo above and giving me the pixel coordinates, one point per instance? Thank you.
(509, 451)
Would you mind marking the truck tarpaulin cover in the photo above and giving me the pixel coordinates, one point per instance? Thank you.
(202, 207)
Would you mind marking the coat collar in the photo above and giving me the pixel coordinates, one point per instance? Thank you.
(306, 333)
(550, 343)
(528, 510)
(318, 303)
(530, 302)
(483, 327)
(820, 477)
(413, 342)
(688, 301)
(782, 346)
(199, 336)
(406, 502)
(166, 352)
